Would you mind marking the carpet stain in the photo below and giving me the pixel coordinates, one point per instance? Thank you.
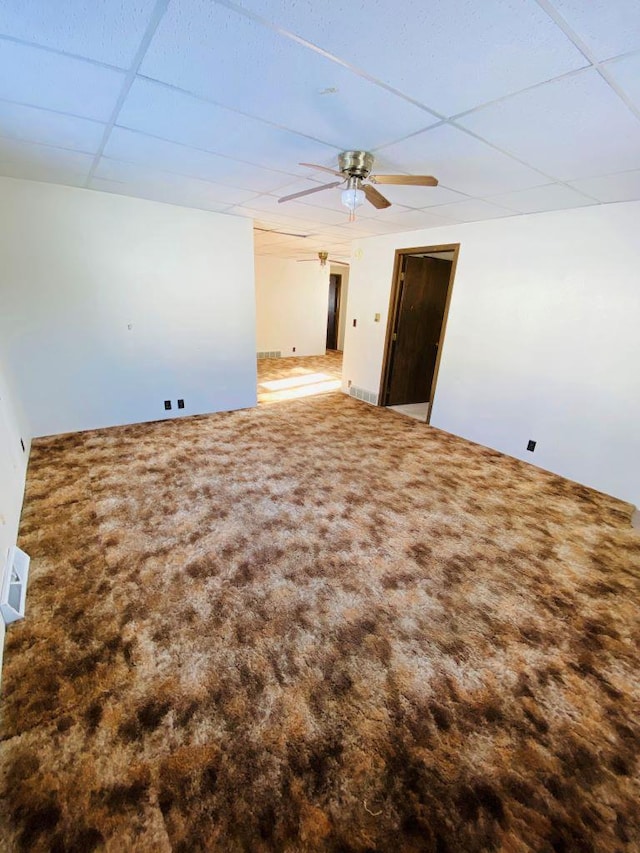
(318, 626)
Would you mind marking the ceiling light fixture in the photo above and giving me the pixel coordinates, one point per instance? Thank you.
(352, 197)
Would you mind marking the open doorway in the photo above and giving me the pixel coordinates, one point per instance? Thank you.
(420, 297)
(333, 315)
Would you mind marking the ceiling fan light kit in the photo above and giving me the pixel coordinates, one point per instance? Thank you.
(354, 167)
(352, 197)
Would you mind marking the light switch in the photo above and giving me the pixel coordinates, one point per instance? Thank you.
(376, 318)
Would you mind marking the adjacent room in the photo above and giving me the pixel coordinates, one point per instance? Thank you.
(319, 405)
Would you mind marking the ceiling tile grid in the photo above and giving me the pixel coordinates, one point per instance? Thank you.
(623, 186)
(539, 199)
(160, 110)
(174, 185)
(30, 124)
(42, 157)
(626, 73)
(570, 128)
(497, 46)
(517, 106)
(461, 162)
(39, 78)
(108, 32)
(608, 27)
(201, 46)
(150, 151)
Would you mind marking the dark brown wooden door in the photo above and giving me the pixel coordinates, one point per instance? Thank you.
(421, 305)
(334, 306)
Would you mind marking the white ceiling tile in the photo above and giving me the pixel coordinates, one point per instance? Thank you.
(162, 111)
(450, 56)
(473, 210)
(33, 76)
(269, 204)
(265, 239)
(275, 235)
(42, 172)
(36, 125)
(156, 192)
(459, 161)
(43, 162)
(373, 228)
(394, 219)
(608, 28)
(287, 224)
(300, 246)
(626, 72)
(108, 31)
(227, 58)
(419, 197)
(569, 128)
(538, 199)
(624, 186)
(133, 147)
(348, 232)
(175, 186)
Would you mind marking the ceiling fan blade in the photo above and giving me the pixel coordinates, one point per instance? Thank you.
(329, 261)
(406, 180)
(309, 192)
(322, 169)
(376, 198)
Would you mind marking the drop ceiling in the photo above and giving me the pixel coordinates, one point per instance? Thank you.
(517, 106)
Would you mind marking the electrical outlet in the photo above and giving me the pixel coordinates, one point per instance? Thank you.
(167, 405)
(349, 384)
(531, 445)
(355, 323)
(293, 350)
(181, 404)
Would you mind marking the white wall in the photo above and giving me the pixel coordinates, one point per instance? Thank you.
(78, 267)
(292, 303)
(13, 469)
(344, 299)
(542, 340)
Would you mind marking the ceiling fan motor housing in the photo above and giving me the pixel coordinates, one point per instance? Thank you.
(356, 164)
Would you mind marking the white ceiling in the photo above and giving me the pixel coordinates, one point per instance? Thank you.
(517, 106)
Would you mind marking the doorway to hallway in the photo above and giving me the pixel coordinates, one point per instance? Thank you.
(420, 296)
(333, 314)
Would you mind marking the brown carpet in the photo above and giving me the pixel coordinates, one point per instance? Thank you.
(289, 378)
(318, 626)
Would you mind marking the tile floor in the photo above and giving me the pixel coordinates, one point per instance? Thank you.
(418, 411)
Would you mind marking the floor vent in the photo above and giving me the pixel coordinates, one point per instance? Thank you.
(364, 395)
(270, 354)
(13, 596)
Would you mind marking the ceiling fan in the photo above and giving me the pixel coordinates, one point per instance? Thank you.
(354, 168)
(323, 257)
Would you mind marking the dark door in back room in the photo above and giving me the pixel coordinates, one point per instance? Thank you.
(421, 308)
(334, 310)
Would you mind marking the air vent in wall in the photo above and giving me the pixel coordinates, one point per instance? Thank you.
(13, 595)
(270, 354)
(362, 394)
